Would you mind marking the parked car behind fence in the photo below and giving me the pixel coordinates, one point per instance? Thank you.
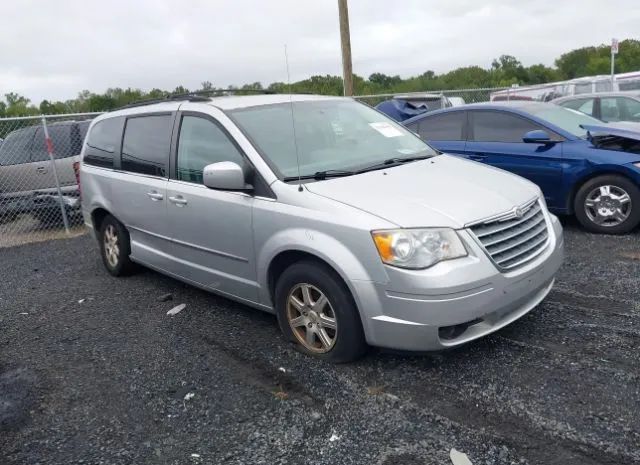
(402, 107)
(610, 107)
(29, 180)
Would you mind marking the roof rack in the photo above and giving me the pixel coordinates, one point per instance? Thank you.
(195, 96)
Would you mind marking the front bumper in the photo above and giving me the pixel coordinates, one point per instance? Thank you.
(456, 301)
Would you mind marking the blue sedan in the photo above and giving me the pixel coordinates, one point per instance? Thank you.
(583, 166)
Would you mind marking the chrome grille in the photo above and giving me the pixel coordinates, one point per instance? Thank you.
(514, 238)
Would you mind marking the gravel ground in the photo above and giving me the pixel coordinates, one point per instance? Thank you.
(26, 229)
(92, 370)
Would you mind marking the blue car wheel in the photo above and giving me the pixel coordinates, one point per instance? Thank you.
(608, 204)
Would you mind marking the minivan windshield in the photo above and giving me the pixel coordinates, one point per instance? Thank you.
(565, 118)
(330, 135)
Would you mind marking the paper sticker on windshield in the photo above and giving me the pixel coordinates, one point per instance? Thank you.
(386, 129)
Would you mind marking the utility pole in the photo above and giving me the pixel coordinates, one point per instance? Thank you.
(614, 51)
(345, 41)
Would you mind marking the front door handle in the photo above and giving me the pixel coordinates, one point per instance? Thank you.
(477, 157)
(155, 196)
(179, 200)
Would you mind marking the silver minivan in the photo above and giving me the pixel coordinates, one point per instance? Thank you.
(323, 211)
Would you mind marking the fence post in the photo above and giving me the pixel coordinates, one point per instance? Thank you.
(49, 145)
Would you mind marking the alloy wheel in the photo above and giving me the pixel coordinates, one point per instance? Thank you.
(312, 318)
(608, 205)
(111, 249)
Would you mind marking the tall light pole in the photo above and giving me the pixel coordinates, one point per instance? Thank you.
(614, 51)
(345, 41)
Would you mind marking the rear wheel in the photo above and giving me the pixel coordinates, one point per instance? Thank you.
(608, 204)
(317, 312)
(115, 247)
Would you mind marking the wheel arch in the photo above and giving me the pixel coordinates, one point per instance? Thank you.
(97, 217)
(610, 171)
(285, 259)
(289, 246)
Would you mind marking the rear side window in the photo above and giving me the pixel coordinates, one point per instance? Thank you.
(83, 127)
(582, 105)
(448, 126)
(103, 142)
(61, 139)
(16, 148)
(493, 126)
(632, 108)
(146, 144)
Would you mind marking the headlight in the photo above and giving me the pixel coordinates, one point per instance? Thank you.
(418, 248)
(637, 165)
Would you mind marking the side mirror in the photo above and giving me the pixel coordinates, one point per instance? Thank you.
(537, 136)
(225, 175)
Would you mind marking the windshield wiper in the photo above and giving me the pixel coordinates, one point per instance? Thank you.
(395, 161)
(321, 175)
(326, 174)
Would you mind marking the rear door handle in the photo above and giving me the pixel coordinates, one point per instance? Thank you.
(477, 157)
(155, 196)
(178, 200)
(41, 170)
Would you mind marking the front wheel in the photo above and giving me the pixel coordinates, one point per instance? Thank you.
(608, 204)
(317, 312)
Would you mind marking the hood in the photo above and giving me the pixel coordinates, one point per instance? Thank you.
(619, 129)
(441, 191)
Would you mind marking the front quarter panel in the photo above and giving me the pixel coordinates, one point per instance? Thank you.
(338, 234)
(582, 161)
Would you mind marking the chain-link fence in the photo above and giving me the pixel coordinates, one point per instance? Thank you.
(39, 194)
(39, 155)
(435, 99)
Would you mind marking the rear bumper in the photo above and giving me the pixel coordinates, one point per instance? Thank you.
(39, 201)
(464, 299)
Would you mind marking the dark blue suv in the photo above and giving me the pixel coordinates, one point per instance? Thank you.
(583, 166)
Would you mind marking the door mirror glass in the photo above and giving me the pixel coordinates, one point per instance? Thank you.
(225, 175)
(537, 136)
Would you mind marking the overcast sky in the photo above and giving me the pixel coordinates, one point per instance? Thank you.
(54, 49)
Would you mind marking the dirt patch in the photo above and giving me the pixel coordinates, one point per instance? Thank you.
(26, 229)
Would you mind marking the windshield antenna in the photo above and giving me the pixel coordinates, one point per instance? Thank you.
(293, 120)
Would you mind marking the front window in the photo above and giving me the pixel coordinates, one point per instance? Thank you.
(565, 118)
(201, 142)
(329, 135)
(494, 126)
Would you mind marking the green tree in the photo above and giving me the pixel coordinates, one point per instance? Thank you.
(539, 74)
(53, 108)
(18, 105)
(574, 63)
(180, 90)
(384, 81)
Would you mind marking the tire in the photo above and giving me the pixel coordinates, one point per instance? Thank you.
(347, 339)
(115, 259)
(605, 194)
